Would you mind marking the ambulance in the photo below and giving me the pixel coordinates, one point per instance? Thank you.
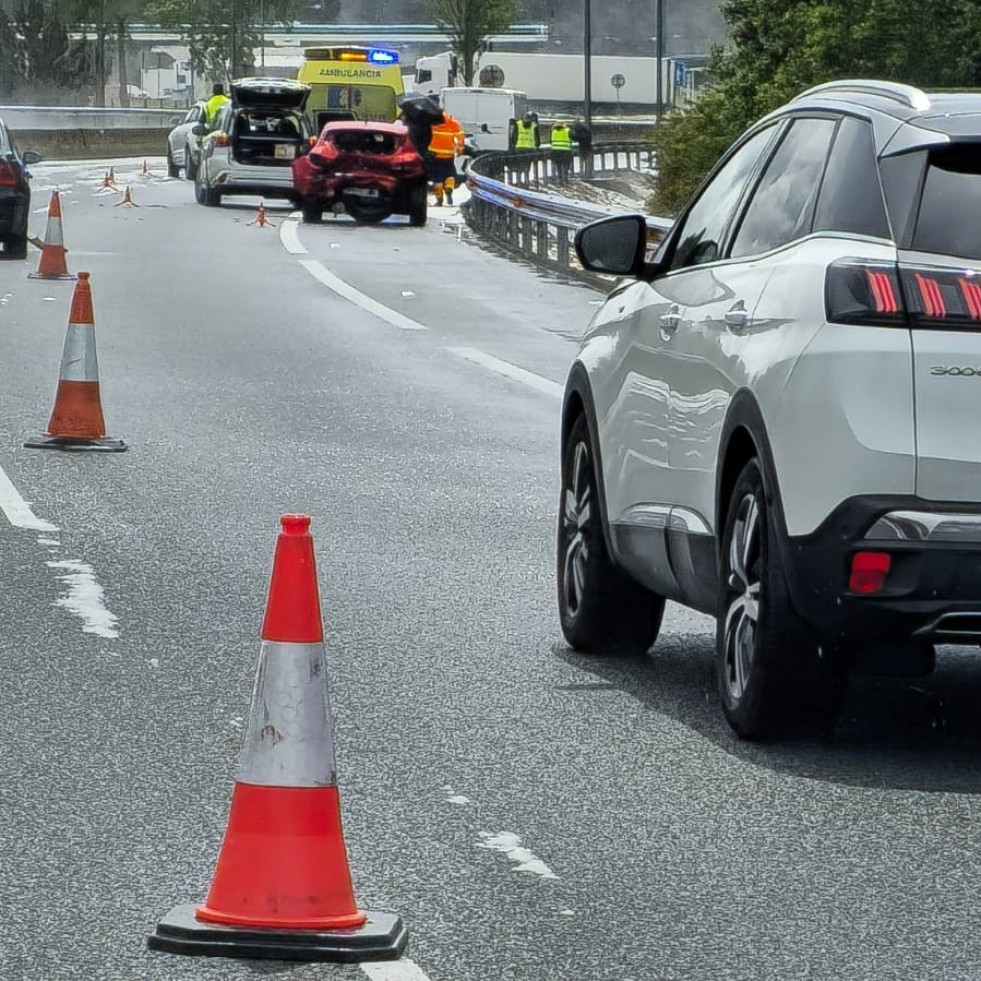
(352, 82)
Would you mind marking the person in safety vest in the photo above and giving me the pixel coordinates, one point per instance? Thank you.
(215, 103)
(524, 134)
(561, 140)
(445, 145)
(525, 138)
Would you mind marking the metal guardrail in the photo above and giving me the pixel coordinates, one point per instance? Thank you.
(512, 204)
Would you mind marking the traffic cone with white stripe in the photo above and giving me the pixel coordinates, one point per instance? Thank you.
(282, 887)
(52, 264)
(76, 421)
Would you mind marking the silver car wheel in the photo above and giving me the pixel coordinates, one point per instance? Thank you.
(576, 514)
(745, 590)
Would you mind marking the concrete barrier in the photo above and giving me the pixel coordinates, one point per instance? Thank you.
(91, 144)
(83, 133)
(83, 117)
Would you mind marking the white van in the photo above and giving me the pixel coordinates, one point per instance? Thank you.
(484, 113)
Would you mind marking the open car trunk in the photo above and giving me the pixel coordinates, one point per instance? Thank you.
(266, 139)
(269, 93)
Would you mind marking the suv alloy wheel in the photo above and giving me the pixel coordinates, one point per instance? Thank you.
(602, 610)
(772, 676)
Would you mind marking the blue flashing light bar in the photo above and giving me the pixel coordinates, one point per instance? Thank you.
(381, 56)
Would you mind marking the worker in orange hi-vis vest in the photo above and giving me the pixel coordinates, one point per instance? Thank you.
(445, 146)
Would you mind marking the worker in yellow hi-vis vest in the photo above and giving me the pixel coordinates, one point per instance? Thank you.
(561, 140)
(215, 103)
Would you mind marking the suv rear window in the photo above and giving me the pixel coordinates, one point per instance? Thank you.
(266, 124)
(363, 141)
(951, 202)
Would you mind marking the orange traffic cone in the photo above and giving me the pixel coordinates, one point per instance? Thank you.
(144, 170)
(127, 200)
(110, 179)
(282, 886)
(52, 264)
(260, 219)
(76, 421)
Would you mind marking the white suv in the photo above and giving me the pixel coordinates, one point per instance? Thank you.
(777, 418)
(253, 141)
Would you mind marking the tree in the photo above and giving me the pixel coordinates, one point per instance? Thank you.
(777, 48)
(469, 23)
(109, 21)
(222, 34)
(38, 61)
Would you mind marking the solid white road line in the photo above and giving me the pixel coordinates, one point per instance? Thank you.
(289, 235)
(17, 510)
(400, 970)
(325, 276)
(512, 371)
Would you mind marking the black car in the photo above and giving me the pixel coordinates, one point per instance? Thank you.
(15, 197)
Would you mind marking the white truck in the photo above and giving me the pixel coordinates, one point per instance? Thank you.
(554, 78)
(485, 114)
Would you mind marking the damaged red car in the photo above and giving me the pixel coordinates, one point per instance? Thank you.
(370, 170)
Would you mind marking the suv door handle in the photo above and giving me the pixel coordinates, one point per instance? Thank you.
(670, 321)
(737, 317)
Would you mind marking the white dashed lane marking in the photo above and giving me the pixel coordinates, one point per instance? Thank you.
(85, 598)
(400, 970)
(289, 236)
(335, 283)
(17, 510)
(512, 371)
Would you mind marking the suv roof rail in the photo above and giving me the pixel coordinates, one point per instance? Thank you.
(906, 95)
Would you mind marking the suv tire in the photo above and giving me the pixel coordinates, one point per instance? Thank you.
(190, 170)
(312, 210)
(772, 675)
(173, 170)
(602, 610)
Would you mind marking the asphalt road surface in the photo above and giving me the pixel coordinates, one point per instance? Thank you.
(533, 815)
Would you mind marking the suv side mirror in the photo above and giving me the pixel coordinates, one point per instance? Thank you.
(30, 157)
(199, 129)
(616, 245)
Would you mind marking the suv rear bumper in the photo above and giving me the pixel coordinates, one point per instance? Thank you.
(932, 591)
(259, 190)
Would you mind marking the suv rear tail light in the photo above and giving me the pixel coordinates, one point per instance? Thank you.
(9, 174)
(869, 572)
(898, 295)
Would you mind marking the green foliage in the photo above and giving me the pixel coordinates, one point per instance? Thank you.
(687, 145)
(37, 58)
(778, 48)
(221, 34)
(469, 23)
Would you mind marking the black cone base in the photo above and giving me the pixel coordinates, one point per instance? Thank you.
(382, 938)
(105, 445)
